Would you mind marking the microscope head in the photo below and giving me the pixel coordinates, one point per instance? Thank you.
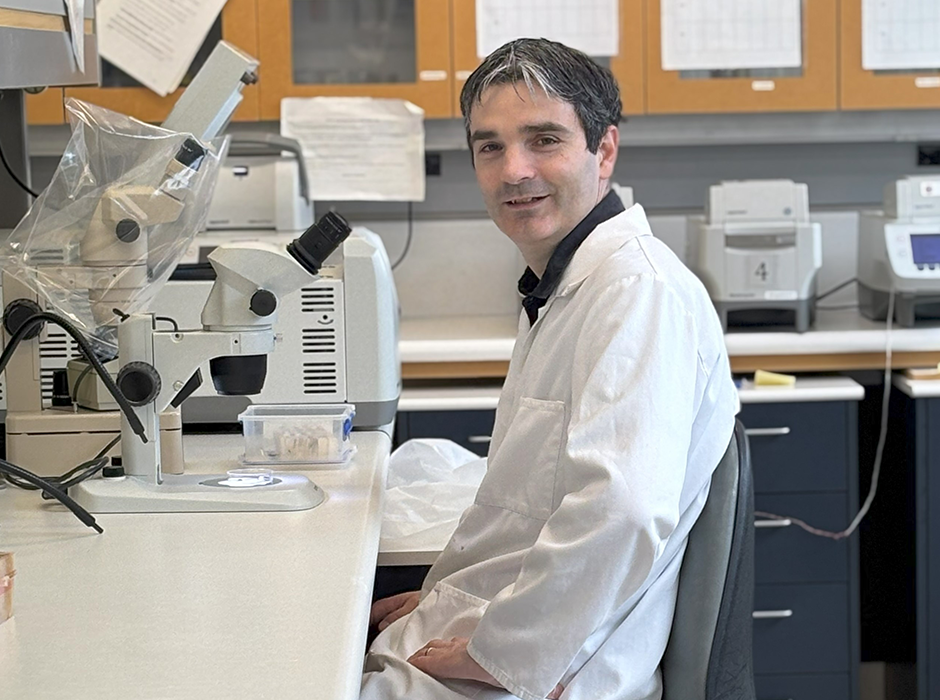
(117, 243)
(251, 278)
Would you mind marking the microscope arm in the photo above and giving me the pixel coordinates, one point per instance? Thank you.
(178, 355)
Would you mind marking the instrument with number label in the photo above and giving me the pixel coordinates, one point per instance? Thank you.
(758, 254)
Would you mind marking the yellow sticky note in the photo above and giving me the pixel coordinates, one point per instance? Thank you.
(765, 378)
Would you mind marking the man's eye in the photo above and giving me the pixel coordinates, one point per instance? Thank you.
(489, 148)
(547, 141)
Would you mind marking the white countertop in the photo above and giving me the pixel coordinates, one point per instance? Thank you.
(918, 388)
(485, 398)
(196, 605)
(458, 338)
(807, 389)
(491, 338)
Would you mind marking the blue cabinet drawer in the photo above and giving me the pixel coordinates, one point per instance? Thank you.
(808, 687)
(470, 429)
(787, 553)
(801, 628)
(798, 447)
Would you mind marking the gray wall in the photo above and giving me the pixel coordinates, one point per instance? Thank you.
(450, 228)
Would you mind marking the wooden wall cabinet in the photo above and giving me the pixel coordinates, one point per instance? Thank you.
(395, 49)
(45, 108)
(238, 26)
(866, 89)
(814, 89)
(627, 65)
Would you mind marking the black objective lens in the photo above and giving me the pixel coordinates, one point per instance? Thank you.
(239, 375)
(319, 241)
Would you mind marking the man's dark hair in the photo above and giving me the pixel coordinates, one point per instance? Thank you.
(561, 72)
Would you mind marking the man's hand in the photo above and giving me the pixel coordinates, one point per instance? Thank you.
(442, 660)
(386, 611)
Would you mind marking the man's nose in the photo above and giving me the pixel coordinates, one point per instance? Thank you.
(517, 165)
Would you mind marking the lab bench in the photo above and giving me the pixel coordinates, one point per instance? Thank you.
(196, 605)
(840, 340)
(804, 457)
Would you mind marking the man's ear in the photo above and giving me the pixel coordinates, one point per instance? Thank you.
(607, 152)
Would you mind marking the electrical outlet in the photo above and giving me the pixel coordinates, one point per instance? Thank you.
(928, 154)
(432, 163)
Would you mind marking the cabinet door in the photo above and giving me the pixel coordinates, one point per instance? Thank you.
(810, 87)
(469, 429)
(344, 48)
(627, 65)
(46, 107)
(120, 92)
(890, 88)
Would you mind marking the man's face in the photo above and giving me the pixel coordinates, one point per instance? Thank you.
(531, 159)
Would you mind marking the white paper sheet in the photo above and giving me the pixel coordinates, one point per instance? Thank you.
(76, 10)
(591, 26)
(900, 34)
(358, 148)
(154, 41)
(731, 34)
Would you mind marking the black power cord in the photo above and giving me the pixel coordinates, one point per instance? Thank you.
(38, 319)
(829, 293)
(76, 475)
(12, 174)
(404, 253)
(12, 470)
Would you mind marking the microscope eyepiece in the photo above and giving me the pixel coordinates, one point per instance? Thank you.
(319, 241)
(191, 154)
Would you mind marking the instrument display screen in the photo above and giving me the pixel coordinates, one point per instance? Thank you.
(926, 248)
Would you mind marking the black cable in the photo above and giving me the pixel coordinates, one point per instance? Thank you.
(36, 320)
(176, 326)
(9, 170)
(407, 240)
(73, 476)
(63, 498)
(835, 289)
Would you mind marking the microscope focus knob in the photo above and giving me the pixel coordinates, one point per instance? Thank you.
(127, 230)
(18, 312)
(139, 382)
(263, 303)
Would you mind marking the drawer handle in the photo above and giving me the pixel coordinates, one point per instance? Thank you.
(479, 439)
(772, 614)
(771, 522)
(766, 432)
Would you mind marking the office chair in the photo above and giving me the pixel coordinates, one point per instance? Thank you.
(709, 653)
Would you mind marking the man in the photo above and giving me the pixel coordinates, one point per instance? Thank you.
(561, 578)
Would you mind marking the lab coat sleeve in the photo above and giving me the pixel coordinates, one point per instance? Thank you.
(635, 372)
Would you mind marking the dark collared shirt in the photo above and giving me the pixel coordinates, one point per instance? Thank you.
(537, 291)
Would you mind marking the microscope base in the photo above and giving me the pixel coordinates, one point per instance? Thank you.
(195, 493)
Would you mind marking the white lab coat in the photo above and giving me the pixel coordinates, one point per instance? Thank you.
(616, 409)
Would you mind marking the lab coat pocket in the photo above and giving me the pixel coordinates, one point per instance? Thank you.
(446, 612)
(520, 474)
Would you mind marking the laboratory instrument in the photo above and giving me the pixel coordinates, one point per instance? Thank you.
(758, 253)
(899, 249)
(123, 255)
(262, 186)
(337, 338)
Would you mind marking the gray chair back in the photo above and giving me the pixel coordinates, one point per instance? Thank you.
(709, 653)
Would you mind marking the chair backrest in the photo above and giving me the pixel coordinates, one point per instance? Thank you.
(709, 653)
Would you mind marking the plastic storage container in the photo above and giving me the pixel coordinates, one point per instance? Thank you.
(297, 434)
